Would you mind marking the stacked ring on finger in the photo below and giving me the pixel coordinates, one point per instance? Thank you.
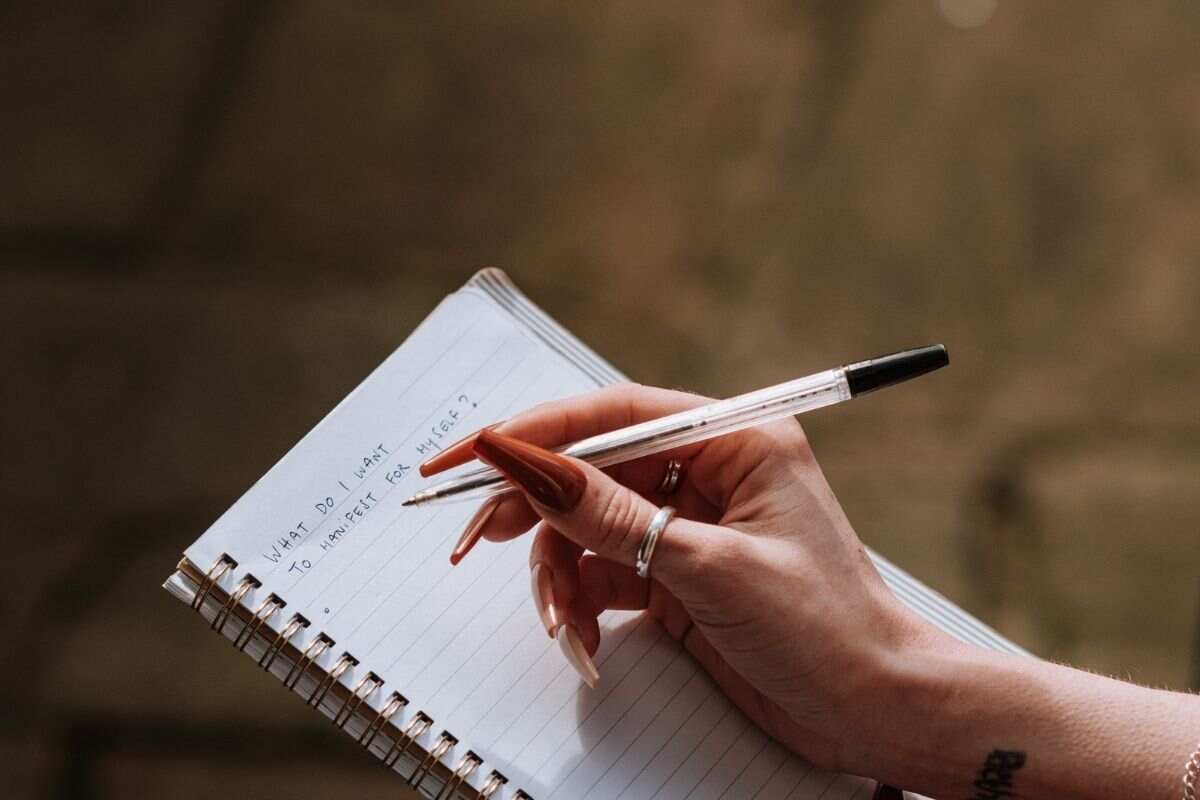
(645, 553)
(671, 478)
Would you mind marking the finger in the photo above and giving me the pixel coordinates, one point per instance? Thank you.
(593, 510)
(453, 455)
(499, 519)
(610, 585)
(570, 419)
(556, 559)
(513, 518)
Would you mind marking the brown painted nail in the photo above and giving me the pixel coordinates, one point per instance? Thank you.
(541, 584)
(474, 530)
(548, 478)
(452, 456)
(885, 792)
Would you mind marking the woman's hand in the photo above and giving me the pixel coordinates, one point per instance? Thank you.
(759, 575)
(763, 580)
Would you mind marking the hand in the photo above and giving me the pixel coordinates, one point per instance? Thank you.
(763, 580)
(759, 575)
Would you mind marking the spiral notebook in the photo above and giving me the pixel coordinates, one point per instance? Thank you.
(445, 674)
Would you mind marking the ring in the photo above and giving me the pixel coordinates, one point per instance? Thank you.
(650, 539)
(670, 481)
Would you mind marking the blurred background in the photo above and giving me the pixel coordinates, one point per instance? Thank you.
(216, 219)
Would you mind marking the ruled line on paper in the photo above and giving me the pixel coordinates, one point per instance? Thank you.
(669, 739)
(695, 747)
(600, 701)
(471, 657)
(772, 755)
(493, 565)
(745, 767)
(638, 735)
(482, 680)
(518, 606)
(631, 629)
(736, 738)
(603, 736)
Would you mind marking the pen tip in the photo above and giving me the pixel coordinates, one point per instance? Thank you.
(412, 501)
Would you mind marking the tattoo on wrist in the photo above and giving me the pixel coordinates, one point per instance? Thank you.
(995, 780)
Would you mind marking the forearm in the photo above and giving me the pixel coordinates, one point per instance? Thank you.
(959, 722)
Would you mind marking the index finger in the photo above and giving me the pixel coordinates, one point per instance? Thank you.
(570, 419)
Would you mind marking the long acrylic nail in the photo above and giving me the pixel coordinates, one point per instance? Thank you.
(577, 655)
(452, 456)
(474, 530)
(548, 478)
(541, 584)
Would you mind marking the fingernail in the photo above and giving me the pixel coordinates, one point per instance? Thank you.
(885, 792)
(541, 584)
(451, 456)
(546, 477)
(577, 656)
(473, 531)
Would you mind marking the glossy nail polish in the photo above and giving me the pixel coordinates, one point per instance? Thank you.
(576, 655)
(473, 531)
(548, 478)
(452, 456)
(541, 584)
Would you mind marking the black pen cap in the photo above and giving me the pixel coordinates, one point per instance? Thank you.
(875, 373)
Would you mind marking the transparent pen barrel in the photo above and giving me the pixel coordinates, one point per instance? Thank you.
(702, 423)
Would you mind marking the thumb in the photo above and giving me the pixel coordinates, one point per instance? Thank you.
(591, 509)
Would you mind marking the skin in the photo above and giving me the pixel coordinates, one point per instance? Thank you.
(763, 579)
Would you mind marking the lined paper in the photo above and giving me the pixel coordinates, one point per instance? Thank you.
(324, 530)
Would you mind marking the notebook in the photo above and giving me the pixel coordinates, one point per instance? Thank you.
(445, 673)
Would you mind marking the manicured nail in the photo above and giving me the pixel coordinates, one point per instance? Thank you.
(474, 530)
(541, 584)
(548, 478)
(885, 792)
(577, 656)
(452, 456)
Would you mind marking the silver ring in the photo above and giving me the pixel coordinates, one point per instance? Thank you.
(650, 539)
(670, 481)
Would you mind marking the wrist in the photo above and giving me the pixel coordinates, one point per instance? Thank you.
(944, 713)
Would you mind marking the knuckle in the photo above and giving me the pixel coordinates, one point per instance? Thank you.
(727, 554)
(616, 520)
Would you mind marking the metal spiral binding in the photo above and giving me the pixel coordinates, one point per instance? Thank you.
(470, 762)
(416, 727)
(281, 639)
(366, 687)
(221, 566)
(235, 599)
(492, 785)
(355, 700)
(443, 744)
(345, 662)
(264, 612)
(311, 653)
(396, 702)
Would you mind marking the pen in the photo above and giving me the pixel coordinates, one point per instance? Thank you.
(715, 419)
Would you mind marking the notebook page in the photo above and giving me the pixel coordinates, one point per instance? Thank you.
(324, 530)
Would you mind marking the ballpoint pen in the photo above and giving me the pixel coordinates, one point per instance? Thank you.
(715, 419)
